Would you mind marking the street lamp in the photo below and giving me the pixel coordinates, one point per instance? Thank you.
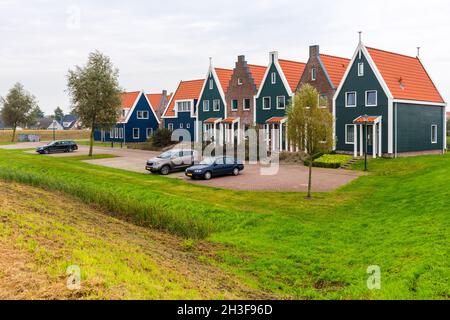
(366, 121)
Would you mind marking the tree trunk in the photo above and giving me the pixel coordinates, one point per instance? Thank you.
(310, 176)
(91, 141)
(14, 133)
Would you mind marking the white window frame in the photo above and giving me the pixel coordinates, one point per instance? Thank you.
(284, 98)
(249, 105)
(188, 125)
(273, 77)
(270, 103)
(138, 135)
(361, 69)
(346, 99)
(116, 133)
(211, 84)
(313, 74)
(111, 133)
(181, 125)
(143, 115)
(216, 105)
(147, 131)
(170, 126)
(205, 105)
(434, 127)
(184, 106)
(323, 96)
(376, 98)
(346, 135)
(120, 133)
(237, 105)
(240, 82)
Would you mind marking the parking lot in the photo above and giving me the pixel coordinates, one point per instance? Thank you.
(287, 177)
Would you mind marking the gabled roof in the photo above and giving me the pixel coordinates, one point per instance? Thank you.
(405, 76)
(257, 73)
(187, 90)
(293, 71)
(155, 99)
(335, 67)
(129, 99)
(224, 76)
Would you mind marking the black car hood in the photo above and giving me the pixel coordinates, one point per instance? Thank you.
(200, 167)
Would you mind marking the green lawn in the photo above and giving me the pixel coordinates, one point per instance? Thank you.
(398, 218)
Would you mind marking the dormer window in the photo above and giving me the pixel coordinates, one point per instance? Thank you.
(211, 84)
(240, 82)
(313, 74)
(360, 69)
(274, 78)
(124, 113)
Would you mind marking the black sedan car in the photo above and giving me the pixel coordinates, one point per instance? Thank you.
(58, 146)
(214, 167)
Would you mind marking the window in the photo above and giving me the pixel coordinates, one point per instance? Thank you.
(274, 78)
(184, 106)
(116, 133)
(188, 125)
(142, 114)
(313, 74)
(120, 133)
(149, 132)
(266, 103)
(349, 133)
(234, 105)
(246, 104)
(360, 69)
(350, 99)
(136, 133)
(124, 112)
(371, 98)
(181, 126)
(434, 135)
(211, 84)
(240, 82)
(170, 126)
(216, 105)
(111, 133)
(323, 101)
(281, 102)
(206, 105)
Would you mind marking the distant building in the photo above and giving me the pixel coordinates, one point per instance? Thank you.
(55, 125)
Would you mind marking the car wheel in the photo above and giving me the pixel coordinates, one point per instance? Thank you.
(235, 171)
(207, 175)
(46, 152)
(165, 170)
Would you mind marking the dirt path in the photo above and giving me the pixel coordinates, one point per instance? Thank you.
(41, 233)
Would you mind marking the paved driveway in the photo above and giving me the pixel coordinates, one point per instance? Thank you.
(286, 177)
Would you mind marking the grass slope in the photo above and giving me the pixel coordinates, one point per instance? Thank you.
(397, 218)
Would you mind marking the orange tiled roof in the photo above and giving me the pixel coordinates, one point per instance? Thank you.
(335, 67)
(293, 71)
(370, 119)
(230, 120)
(129, 98)
(155, 99)
(212, 120)
(405, 76)
(224, 76)
(257, 73)
(276, 120)
(186, 90)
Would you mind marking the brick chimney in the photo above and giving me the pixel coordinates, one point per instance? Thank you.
(241, 58)
(314, 51)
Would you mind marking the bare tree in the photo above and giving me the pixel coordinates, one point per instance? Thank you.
(95, 93)
(310, 128)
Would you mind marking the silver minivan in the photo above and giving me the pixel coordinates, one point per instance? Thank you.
(173, 160)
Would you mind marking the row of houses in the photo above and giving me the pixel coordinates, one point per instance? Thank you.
(406, 113)
(68, 122)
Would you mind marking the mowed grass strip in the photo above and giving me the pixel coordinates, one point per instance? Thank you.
(46, 135)
(396, 218)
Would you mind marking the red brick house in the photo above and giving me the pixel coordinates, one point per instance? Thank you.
(244, 85)
(324, 72)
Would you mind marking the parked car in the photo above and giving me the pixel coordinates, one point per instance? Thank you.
(173, 160)
(214, 167)
(58, 146)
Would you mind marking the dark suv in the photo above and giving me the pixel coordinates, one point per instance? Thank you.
(57, 146)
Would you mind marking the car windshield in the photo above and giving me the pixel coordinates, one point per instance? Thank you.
(208, 161)
(51, 143)
(166, 155)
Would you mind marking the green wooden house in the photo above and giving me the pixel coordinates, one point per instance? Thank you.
(387, 105)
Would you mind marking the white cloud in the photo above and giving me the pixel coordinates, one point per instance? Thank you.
(156, 44)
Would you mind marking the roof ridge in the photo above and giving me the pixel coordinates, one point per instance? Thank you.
(396, 53)
(299, 62)
(217, 68)
(256, 65)
(184, 81)
(329, 55)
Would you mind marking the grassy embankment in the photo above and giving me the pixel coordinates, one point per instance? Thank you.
(46, 135)
(397, 218)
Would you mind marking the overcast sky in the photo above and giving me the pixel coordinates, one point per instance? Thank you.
(155, 44)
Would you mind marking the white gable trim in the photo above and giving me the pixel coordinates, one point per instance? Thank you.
(130, 112)
(428, 103)
(280, 72)
(170, 101)
(325, 71)
(151, 108)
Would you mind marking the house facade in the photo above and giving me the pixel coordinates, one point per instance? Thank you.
(212, 106)
(277, 88)
(243, 86)
(388, 102)
(324, 73)
(137, 121)
(180, 112)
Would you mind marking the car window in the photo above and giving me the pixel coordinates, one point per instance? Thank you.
(187, 153)
(166, 155)
(219, 161)
(207, 161)
(229, 160)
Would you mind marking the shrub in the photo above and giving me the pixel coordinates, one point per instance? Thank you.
(331, 161)
(162, 138)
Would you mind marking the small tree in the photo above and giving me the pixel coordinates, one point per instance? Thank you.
(309, 127)
(17, 107)
(59, 114)
(162, 138)
(95, 93)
